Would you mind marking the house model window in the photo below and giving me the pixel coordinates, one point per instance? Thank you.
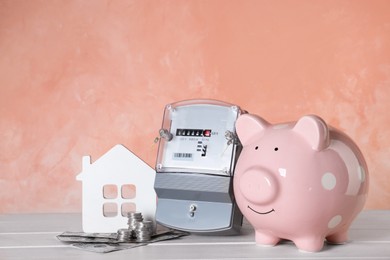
(113, 192)
(117, 183)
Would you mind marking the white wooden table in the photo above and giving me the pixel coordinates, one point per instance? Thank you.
(33, 236)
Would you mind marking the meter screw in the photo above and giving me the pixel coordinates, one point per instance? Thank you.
(192, 210)
(165, 134)
(230, 137)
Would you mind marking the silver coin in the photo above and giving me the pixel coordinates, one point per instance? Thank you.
(123, 235)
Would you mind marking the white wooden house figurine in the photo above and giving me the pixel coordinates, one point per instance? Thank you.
(116, 183)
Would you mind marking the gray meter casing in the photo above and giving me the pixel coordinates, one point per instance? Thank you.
(195, 164)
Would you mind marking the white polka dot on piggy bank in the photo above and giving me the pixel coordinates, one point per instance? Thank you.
(305, 181)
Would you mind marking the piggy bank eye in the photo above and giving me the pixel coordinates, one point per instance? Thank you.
(276, 148)
(256, 147)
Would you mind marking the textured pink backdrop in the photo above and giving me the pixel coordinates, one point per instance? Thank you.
(78, 77)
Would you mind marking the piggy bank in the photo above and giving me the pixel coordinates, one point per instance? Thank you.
(303, 181)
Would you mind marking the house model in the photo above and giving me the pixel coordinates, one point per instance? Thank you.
(117, 183)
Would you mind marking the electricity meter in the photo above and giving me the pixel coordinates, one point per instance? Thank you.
(198, 149)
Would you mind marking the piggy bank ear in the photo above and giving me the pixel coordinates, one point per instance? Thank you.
(250, 127)
(314, 130)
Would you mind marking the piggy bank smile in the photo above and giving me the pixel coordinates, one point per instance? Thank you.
(261, 213)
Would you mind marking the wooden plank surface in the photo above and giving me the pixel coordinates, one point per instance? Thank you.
(33, 236)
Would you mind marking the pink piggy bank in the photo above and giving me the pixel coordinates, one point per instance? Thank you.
(301, 181)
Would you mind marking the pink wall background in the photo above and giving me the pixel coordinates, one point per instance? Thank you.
(78, 77)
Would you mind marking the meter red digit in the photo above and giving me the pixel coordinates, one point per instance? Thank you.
(207, 133)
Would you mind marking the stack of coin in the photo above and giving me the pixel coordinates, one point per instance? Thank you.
(144, 231)
(124, 235)
(134, 218)
(139, 229)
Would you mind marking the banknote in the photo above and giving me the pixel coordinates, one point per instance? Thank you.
(106, 248)
(88, 237)
(108, 242)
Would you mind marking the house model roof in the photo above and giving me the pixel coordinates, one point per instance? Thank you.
(115, 161)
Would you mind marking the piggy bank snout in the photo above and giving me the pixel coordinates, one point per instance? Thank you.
(258, 186)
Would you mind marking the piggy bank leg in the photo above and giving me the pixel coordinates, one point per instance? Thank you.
(310, 244)
(266, 239)
(338, 238)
